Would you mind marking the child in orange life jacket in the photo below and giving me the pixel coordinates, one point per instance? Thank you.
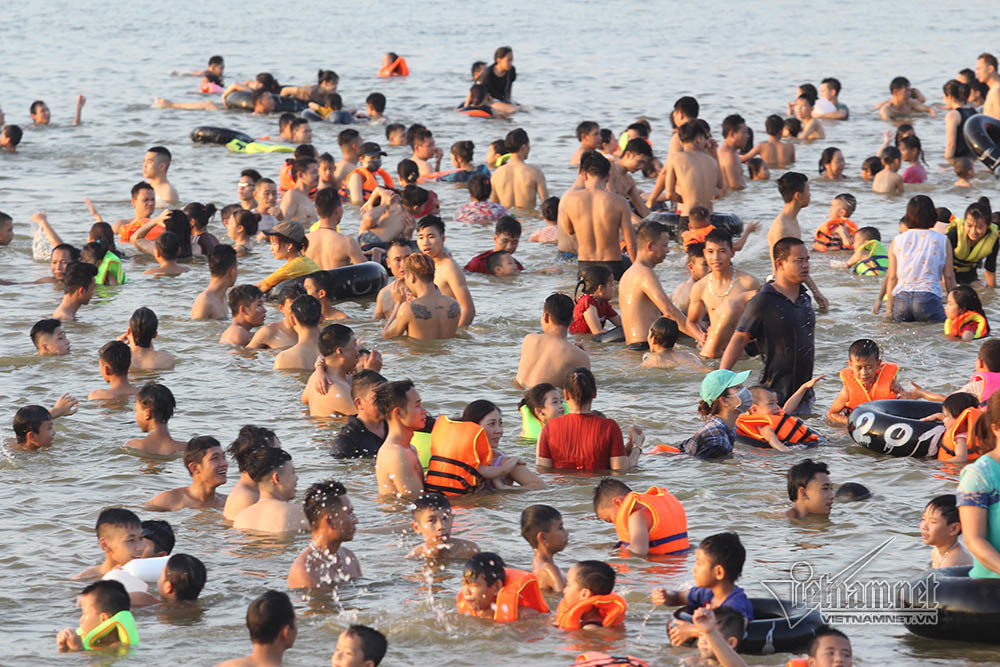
(837, 233)
(940, 528)
(700, 226)
(491, 590)
(960, 414)
(542, 527)
(866, 378)
(432, 517)
(966, 319)
(764, 415)
(589, 600)
(719, 633)
(983, 382)
(718, 564)
(649, 523)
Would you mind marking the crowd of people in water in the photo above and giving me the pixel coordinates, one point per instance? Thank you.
(617, 234)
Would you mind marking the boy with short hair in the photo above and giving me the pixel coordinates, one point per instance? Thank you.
(794, 189)
(632, 515)
(271, 622)
(154, 406)
(870, 257)
(542, 528)
(246, 303)
(506, 238)
(830, 648)
(339, 348)
(774, 151)
(812, 129)
(589, 600)
(274, 512)
(837, 233)
(206, 463)
(10, 137)
(305, 315)
(809, 489)
(550, 214)
(115, 360)
(245, 491)
(33, 427)
(964, 170)
(939, 528)
(549, 356)
(165, 251)
(904, 100)
(501, 264)
(49, 338)
(182, 579)
(866, 378)
(105, 620)
(142, 329)
(366, 430)
(211, 303)
(432, 517)
(321, 285)
(719, 633)
(718, 565)
(325, 563)
(157, 538)
(697, 268)
(397, 466)
(491, 590)
(888, 181)
(359, 646)
(447, 273)
(375, 108)
(78, 289)
(279, 335)
(768, 422)
(662, 354)
(395, 134)
(119, 535)
(397, 253)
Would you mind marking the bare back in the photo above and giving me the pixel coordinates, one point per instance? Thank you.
(732, 168)
(638, 290)
(331, 250)
(598, 219)
(516, 185)
(398, 471)
(695, 177)
(431, 316)
(548, 358)
(269, 515)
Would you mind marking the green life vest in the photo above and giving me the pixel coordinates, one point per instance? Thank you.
(965, 257)
(110, 264)
(877, 263)
(122, 622)
(531, 428)
(237, 146)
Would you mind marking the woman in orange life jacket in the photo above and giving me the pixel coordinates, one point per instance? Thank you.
(487, 414)
(966, 318)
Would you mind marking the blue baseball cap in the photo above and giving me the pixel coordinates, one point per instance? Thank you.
(717, 382)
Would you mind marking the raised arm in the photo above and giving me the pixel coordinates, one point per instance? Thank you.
(42, 220)
(80, 101)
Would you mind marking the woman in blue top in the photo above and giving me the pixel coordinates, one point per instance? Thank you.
(979, 500)
(722, 400)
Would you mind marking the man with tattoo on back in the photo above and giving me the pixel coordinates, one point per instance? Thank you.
(421, 311)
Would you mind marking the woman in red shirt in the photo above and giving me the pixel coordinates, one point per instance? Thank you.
(582, 439)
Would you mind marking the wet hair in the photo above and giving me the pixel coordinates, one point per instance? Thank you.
(607, 136)
(248, 220)
(508, 225)
(268, 83)
(559, 308)
(607, 490)
(179, 224)
(755, 165)
(263, 461)
(595, 576)
(783, 248)
(495, 259)
(348, 136)
(333, 337)
(194, 451)
(849, 491)
(221, 259)
(161, 152)
(249, 439)
(431, 500)
(688, 106)
(47, 327)
(327, 202)
(408, 171)
(550, 209)
(93, 252)
(319, 500)
(595, 164)
(913, 142)
(773, 125)
(160, 534)
(864, 348)
(417, 134)
(392, 395)
(731, 124)
(168, 245)
(537, 519)
(649, 231)
(268, 615)
(158, 400)
(989, 59)
(920, 213)
(889, 155)
(874, 164)
(118, 356)
(110, 596)
(824, 631)
(364, 380)
(981, 209)
(504, 51)
(592, 278)
(14, 133)
(414, 197)
(581, 386)
(534, 398)
(143, 325)
(307, 310)
(290, 292)
(585, 128)
(832, 83)
(481, 187)
(695, 251)
(35, 106)
(690, 131)
(431, 221)
(285, 120)
(242, 295)
(487, 565)
(947, 506)
(899, 83)
(826, 157)
(957, 90)
(515, 140)
(377, 101)
(420, 265)
(790, 184)
(869, 234)
(477, 410)
(116, 517)
(664, 332)
(967, 300)
(412, 130)
(393, 127)
(327, 76)
(29, 419)
(103, 233)
(848, 201)
(958, 402)
(187, 574)
(801, 473)
(300, 167)
(200, 214)
(373, 643)
(725, 549)
(79, 275)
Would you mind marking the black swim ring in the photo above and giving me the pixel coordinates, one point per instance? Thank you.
(982, 133)
(894, 427)
(731, 223)
(779, 626)
(243, 99)
(615, 335)
(350, 282)
(217, 135)
(968, 610)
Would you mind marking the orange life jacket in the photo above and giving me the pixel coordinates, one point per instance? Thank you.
(668, 534)
(457, 450)
(476, 111)
(611, 607)
(790, 430)
(368, 182)
(692, 236)
(953, 327)
(881, 390)
(286, 182)
(827, 241)
(520, 589)
(397, 67)
(964, 424)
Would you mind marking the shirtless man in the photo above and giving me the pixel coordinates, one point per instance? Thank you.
(325, 563)
(397, 466)
(271, 621)
(904, 100)
(350, 145)
(425, 153)
(279, 335)
(206, 463)
(143, 203)
(723, 293)
(154, 406)
(266, 195)
(588, 133)
(734, 138)
(697, 269)
(516, 183)
(394, 259)
(327, 247)
(640, 295)
(421, 311)
(246, 303)
(387, 216)
(305, 316)
(774, 152)
(155, 164)
(328, 391)
(448, 275)
(142, 329)
(794, 189)
(211, 304)
(692, 176)
(296, 205)
(636, 156)
(549, 356)
(78, 289)
(272, 469)
(685, 110)
(598, 218)
(986, 72)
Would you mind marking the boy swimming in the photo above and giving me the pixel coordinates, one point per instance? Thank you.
(432, 520)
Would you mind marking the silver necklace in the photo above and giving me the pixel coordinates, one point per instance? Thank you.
(732, 281)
